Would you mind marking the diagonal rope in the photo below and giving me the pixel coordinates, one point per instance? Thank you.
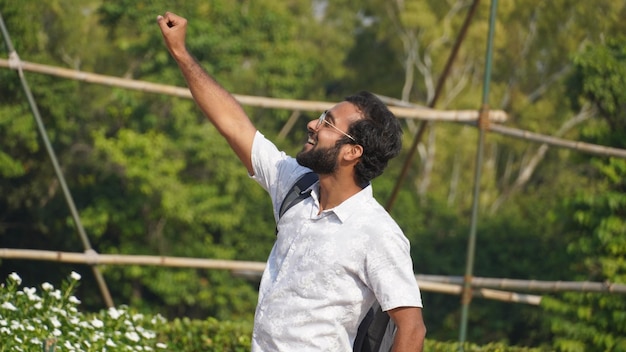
(14, 61)
(438, 89)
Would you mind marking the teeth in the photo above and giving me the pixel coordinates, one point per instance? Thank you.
(311, 141)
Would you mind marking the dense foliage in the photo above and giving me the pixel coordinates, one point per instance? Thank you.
(150, 176)
(597, 230)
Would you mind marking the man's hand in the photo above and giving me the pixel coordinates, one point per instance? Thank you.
(174, 30)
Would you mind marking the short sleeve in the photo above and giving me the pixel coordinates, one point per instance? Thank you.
(274, 170)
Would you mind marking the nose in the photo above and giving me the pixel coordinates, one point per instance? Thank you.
(312, 125)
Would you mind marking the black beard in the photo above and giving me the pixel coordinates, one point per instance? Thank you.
(322, 161)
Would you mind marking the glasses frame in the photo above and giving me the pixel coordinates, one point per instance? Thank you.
(322, 120)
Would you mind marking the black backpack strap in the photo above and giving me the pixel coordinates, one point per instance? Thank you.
(376, 332)
(360, 343)
(297, 193)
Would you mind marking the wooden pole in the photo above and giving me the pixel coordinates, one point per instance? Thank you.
(444, 284)
(262, 102)
(532, 285)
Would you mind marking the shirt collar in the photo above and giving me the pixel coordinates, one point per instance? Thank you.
(348, 207)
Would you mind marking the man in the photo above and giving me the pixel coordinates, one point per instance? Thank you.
(337, 251)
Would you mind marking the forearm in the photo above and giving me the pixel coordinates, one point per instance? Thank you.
(409, 340)
(219, 106)
(411, 330)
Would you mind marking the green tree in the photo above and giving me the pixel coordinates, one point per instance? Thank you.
(148, 174)
(597, 232)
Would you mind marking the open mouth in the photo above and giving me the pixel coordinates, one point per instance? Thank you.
(311, 140)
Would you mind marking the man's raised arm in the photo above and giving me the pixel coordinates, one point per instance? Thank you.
(216, 103)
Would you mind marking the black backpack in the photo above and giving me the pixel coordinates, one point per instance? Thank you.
(376, 331)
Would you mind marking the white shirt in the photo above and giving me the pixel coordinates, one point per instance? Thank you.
(325, 271)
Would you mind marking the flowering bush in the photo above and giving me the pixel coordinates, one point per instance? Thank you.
(50, 319)
(31, 320)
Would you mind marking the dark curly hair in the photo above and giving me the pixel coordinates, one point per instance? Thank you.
(379, 133)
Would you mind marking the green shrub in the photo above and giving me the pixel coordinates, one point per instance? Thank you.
(208, 335)
(30, 319)
(452, 346)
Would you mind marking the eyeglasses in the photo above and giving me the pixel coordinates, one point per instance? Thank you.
(322, 120)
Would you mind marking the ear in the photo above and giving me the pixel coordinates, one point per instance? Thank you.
(352, 152)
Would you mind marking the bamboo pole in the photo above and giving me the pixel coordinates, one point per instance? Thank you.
(93, 258)
(486, 293)
(262, 102)
(558, 142)
(405, 110)
(532, 285)
(246, 267)
(483, 124)
(254, 269)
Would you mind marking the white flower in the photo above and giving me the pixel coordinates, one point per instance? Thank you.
(8, 306)
(74, 300)
(30, 293)
(114, 313)
(16, 278)
(133, 336)
(110, 343)
(76, 276)
(69, 346)
(161, 345)
(158, 319)
(35, 341)
(97, 323)
(56, 294)
(55, 322)
(148, 334)
(38, 305)
(56, 332)
(46, 286)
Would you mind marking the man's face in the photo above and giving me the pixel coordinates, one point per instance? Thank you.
(321, 151)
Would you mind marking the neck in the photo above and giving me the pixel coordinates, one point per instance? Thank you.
(335, 189)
